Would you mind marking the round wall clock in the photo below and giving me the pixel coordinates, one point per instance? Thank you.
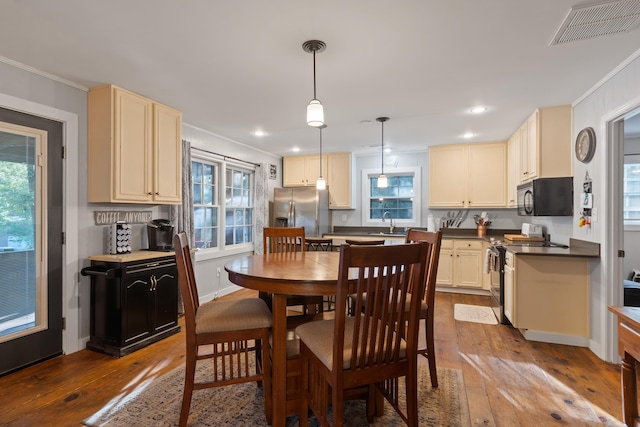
(586, 145)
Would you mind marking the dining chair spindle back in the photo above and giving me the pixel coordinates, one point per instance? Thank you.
(376, 345)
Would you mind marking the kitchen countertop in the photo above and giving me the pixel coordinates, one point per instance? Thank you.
(133, 256)
(577, 248)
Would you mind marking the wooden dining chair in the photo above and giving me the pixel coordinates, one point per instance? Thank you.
(375, 346)
(364, 242)
(287, 240)
(351, 297)
(221, 330)
(427, 303)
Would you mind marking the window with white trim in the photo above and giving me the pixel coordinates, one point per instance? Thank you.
(238, 207)
(206, 203)
(223, 204)
(400, 201)
(631, 190)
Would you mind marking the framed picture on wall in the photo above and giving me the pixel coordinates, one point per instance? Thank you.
(273, 171)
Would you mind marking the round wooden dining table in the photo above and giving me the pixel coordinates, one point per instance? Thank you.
(282, 274)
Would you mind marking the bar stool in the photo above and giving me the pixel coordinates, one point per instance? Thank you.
(318, 244)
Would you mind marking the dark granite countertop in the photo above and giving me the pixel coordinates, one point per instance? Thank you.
(577, 248)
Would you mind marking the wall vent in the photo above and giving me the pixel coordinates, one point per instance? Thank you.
(595, 19)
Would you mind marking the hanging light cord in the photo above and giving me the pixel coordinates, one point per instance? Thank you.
(314, 76)
(320, 152)
(382, 150)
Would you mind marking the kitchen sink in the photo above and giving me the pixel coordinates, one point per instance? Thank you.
(386, 233)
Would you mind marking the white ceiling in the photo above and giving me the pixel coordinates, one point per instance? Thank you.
(236, 66)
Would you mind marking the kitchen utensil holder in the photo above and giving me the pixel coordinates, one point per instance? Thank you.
(482, 230)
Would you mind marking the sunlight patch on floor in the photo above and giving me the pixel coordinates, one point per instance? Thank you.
(559, 402)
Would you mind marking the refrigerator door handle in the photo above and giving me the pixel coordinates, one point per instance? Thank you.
(292, 214)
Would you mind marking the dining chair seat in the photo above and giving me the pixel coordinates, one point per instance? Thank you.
(232, 315)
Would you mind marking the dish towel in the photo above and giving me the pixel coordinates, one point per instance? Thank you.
(487, 261)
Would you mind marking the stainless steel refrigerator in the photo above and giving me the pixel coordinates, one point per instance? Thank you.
(302, 207)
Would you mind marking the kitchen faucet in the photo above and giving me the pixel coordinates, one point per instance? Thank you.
(384, 216)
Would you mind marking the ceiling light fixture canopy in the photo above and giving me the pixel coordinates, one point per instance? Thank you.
(315, 110)
(321, 184)
(382, 179)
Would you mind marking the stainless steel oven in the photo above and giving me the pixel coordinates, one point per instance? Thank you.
(496, 269)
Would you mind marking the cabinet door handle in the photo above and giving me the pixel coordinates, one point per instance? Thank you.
(149, 193)
(164, 276)
(157, 193)
(137, 282)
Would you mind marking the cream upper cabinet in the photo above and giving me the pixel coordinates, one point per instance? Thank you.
(468, 175)
(337, 170)
(134, 149)
(447, 176)
(513, 169)
(487, 175)
(167, 165)
(302, 171)
(545, 144)
(340, 181)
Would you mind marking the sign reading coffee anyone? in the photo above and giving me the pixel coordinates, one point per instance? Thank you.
(130, 217)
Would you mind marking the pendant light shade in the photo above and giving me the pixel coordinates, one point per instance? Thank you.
(315, 113)
(382, 179)
(321, 184)
(315, 110)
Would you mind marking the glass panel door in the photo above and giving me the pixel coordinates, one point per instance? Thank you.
(23, 222)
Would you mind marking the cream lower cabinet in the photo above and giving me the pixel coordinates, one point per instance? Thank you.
(134, 149)
(508, 286)
(445, 264)
(468, 175)
(460, 264)
(550, 294)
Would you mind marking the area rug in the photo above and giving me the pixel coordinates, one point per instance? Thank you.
(474, 313)
(156, 402)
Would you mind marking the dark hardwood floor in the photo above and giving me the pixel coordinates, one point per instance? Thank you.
(509, 381)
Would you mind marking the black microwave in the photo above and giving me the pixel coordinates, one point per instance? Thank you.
(546, 197)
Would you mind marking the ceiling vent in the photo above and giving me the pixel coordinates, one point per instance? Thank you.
(594, 19)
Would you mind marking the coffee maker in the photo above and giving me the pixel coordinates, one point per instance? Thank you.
(160, 235)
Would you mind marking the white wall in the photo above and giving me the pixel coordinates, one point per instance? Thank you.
(617, 94)
(210, 283)
(502, 218)
(44, 95)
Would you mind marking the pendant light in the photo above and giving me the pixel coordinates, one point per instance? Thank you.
(321, 184)
(315, 111)
(382, 179)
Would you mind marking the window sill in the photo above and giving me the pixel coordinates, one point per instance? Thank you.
(212, 253)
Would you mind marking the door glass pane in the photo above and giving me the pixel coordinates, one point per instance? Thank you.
(23, 300)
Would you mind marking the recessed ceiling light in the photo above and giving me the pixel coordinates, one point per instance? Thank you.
(468, 135)
(259, 133)
(478, 109)
(366, 122)
(387, 150)
(295, 149)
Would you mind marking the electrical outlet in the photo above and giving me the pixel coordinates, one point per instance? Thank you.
(218, 272)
